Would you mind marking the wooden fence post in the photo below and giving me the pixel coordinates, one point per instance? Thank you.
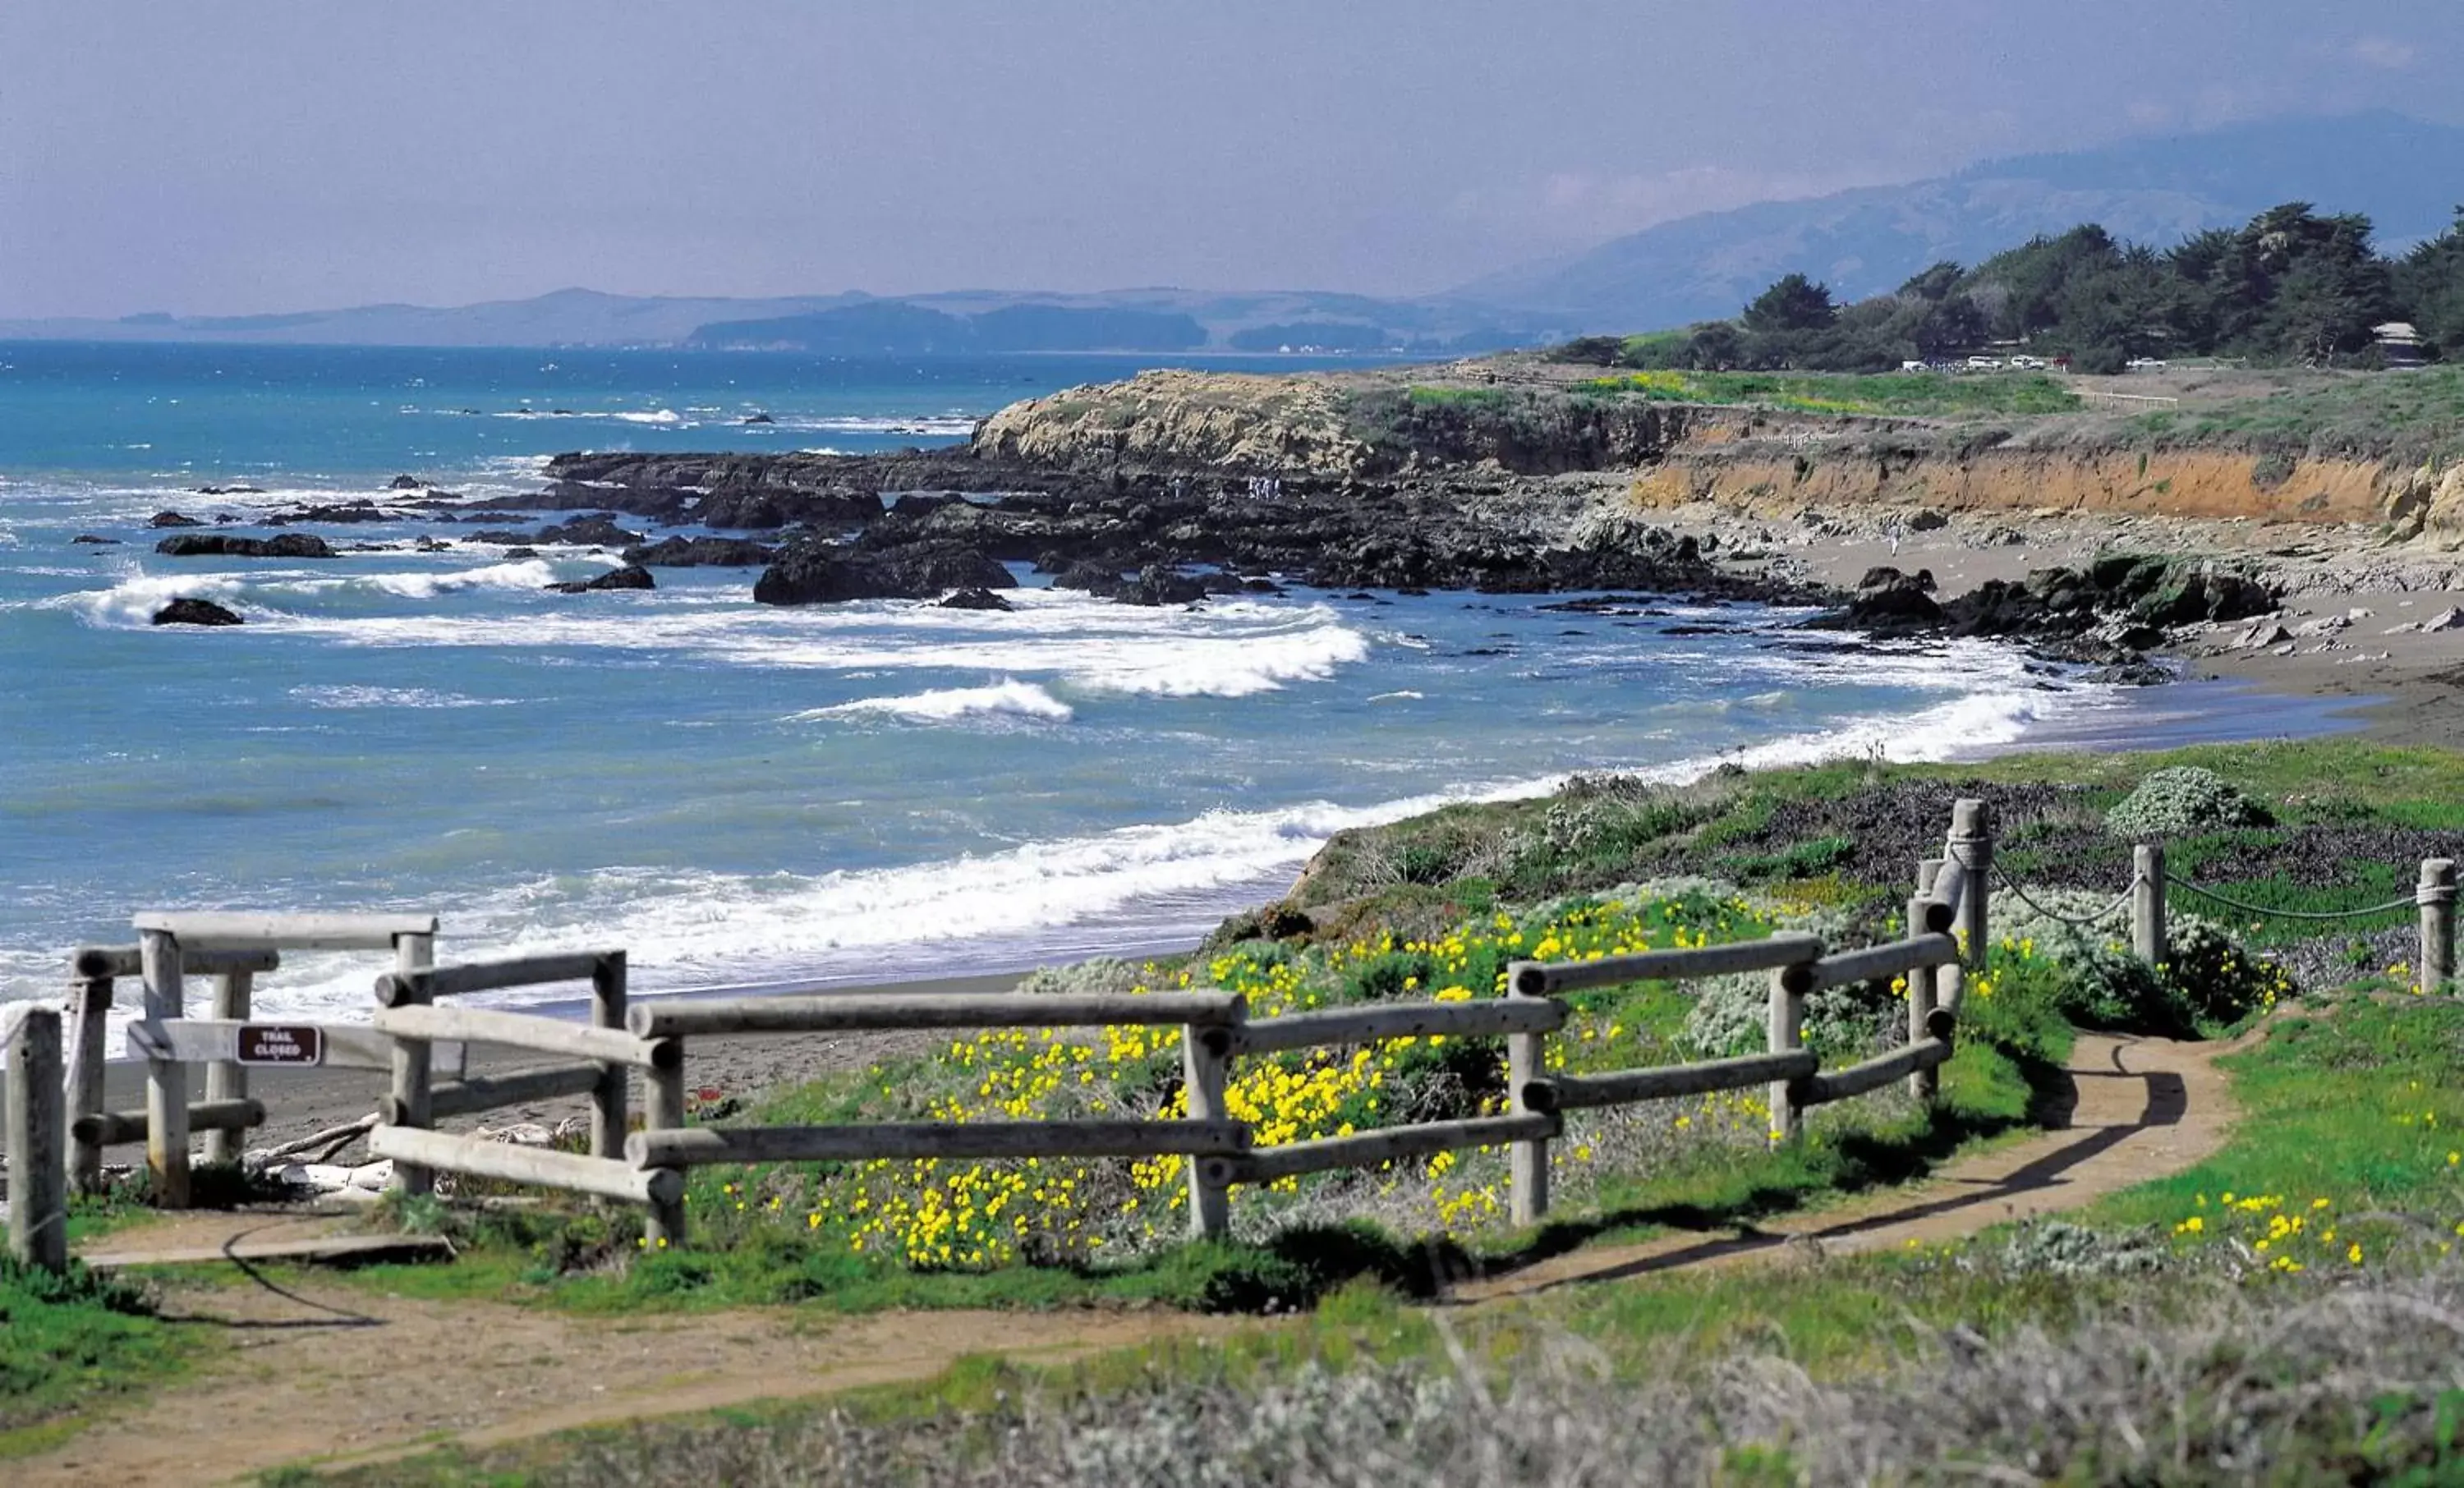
(1924, 1084)
(38, 1215)
(1526, 1061)
(2149, 940)
(1972, 842)
(226, 1080)
(2436, 897)
(89, 1026)
(1786, 1033)
(408, 1104)
(1203, 1057)
(166, 1081)
(610, 1097)
(665, 1112)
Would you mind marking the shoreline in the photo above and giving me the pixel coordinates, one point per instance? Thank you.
(2351, 652)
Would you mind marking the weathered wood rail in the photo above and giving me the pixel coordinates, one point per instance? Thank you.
(647, 1166)
(414, 1020)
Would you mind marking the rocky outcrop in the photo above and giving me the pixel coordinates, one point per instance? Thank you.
(974, 599)
(2105, 613)
(172, 519)
(335, 513)
(196, 612)
(813, 572)
(95, 540)
(1181, 419)
(289, 545)
(632, 576)
(702, 553)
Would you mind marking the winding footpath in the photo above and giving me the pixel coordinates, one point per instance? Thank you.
(327, 1372)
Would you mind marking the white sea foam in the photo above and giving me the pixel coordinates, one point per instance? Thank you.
(1036, 902)
(1006, 697)
(1235, 650)
(1401, 695)
(133, 599)
(392, 697)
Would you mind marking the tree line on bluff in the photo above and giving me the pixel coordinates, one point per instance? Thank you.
(2290, 286)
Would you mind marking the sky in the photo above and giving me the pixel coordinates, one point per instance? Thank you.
(218, 157)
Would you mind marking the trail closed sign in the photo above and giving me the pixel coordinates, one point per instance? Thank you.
(281, 1043)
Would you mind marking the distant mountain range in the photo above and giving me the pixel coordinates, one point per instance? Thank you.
(2408, 174)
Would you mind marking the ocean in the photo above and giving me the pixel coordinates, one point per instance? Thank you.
(738, 794)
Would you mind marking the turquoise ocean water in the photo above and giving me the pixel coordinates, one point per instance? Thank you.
(735, 793)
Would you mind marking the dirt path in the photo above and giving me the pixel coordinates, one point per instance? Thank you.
(330, 1371)
(2143, 1109)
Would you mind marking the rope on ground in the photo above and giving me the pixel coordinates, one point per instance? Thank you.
(2079, 922)
(2262, 910)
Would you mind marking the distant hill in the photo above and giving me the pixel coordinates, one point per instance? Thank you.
(2405, 173)
(2408, 175)
(856, 324)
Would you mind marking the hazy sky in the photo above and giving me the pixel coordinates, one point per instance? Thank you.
(228, 156)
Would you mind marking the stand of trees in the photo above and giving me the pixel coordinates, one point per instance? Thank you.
(2290, 286)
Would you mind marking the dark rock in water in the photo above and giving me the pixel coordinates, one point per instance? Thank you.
(289, 545)
(923, 503)
(824, 573)
(1157, 584)
(405, 483)
(432, 545)
(225, 519)
(702, 553)
(519, 551)
(195, 612)
(92, 540)
(1152, 584)
(345, 511)
(974, 599)
(1090, 578)
(598, 529)
(758, 418)
(230, 491)
(1887, 576)
(1600, 605)
(1697, 630)
(632, 576)
(1261, 587)
(755, 511)
(2139, 673)
(172, 519)
(1887, 602)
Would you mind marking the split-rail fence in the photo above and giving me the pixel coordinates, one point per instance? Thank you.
(1946, 934)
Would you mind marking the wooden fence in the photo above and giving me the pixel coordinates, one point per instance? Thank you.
(1946, 932)
(414, 1021)
(648, 1167)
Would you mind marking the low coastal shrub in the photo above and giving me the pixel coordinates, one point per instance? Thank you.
(67, 1339)
(2181, 800)
(2209, 982)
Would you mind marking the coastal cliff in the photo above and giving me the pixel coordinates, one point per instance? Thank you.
(2245, 446)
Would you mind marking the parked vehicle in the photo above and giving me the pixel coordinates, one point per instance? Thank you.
(2028, 364)
(2144, 364)
(1984, 364)
(1914, 366)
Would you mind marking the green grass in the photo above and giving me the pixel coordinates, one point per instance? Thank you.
(2326, 1101)
(69, 1342)
(1902, 393)
(2407, 416)
(2359, 1104)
